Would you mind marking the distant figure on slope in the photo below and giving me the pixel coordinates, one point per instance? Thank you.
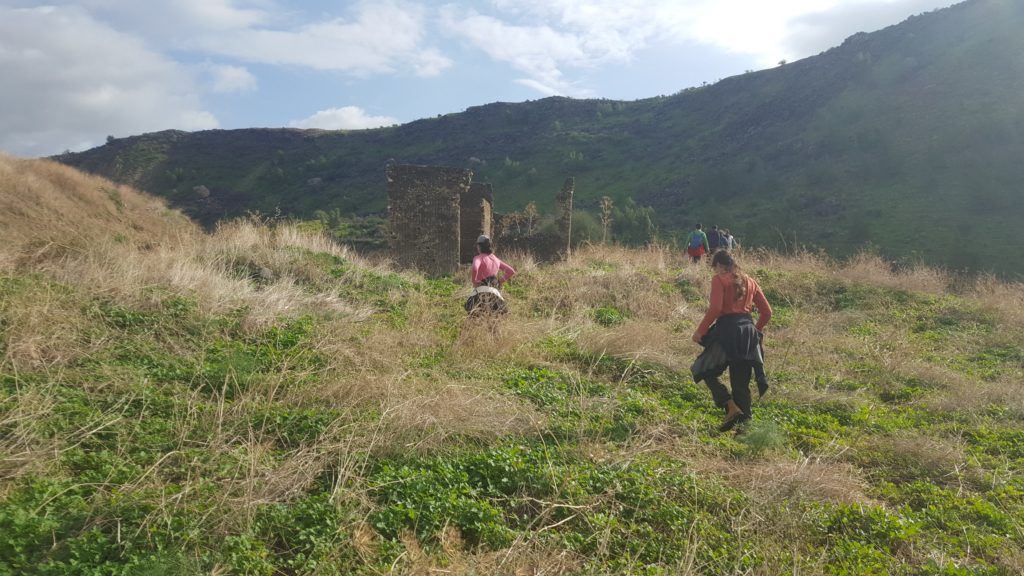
(697, 243)
(486, 296)
(715, 240)
(730, 242)
(731, 339)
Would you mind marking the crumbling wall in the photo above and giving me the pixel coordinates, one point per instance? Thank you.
(475, 216)
(423, 210)
(564, 199)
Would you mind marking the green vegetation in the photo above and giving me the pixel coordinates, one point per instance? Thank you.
(386, 433)
(857, 147)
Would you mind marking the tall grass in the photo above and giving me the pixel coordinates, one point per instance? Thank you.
(214, 384)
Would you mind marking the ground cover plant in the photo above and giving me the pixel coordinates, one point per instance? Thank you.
(261, 400)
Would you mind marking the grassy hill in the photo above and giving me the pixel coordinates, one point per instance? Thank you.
(257, 400)
(907, 139)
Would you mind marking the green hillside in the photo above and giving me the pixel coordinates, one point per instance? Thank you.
(261, 401)
(908, 139)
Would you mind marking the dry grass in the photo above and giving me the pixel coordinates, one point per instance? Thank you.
(46, 202)
(44, 326)
(115, 243)
(421, 417)
(871, 268)
(430, 379)
(521, 559)
(23, 450)
(974, 396)
(938, 459)
(599, 276)
(1005, 298)
(640, 340)
(864, 267)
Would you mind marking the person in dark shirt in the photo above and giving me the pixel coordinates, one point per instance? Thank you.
(715, 240)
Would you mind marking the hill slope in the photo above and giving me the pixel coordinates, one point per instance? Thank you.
(907, 138)
(260, 401)
(45, 202)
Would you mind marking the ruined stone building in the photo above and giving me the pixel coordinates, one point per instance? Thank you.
(436, 215)
(475, 216)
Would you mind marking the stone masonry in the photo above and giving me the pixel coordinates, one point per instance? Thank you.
(423, 208)
(475, 216)
(564, 200)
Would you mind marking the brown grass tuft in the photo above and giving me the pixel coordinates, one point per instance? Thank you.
(641, 340)
(806, 478)
(423, 416)
(914, 455)
(43, 325)
(524, 558)
(44, 201)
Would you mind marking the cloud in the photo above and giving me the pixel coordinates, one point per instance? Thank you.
(813, 33)
(344, 118)
(538, 51)
(166, 20)
(226, 79)
(382, 38)
(69, 81)
(379, 37)
(547, 39)
(539, 87)
(430, 62)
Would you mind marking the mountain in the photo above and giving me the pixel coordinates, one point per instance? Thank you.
(906, 140)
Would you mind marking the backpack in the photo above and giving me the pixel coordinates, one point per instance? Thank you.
(695, 240)
(714, 240)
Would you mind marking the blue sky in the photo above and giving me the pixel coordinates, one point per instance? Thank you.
(75, 72)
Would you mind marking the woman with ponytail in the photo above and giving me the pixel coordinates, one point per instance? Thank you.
(732, 339)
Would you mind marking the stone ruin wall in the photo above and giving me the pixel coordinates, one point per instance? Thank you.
(423, 208)
(564, 200)
(476, 215)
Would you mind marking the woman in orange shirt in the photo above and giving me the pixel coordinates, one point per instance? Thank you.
(734, 295)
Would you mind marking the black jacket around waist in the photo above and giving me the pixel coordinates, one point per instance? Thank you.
(733, 337)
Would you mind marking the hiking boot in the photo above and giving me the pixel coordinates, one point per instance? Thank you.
(732, 421)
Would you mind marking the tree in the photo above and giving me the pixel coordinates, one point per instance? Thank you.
(110, 139)
(530, 213)
(606, 217)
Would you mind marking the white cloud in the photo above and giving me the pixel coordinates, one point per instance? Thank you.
(539, 87)
(380, 37)
(430, 62)
(546, 38)
(344, 118)
(171, 19)
(226, 79)
(383, 38)
(538, 51)
(69, 81)
(812, 33)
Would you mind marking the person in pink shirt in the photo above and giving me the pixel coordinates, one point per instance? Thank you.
(486, 266)
(486, 294)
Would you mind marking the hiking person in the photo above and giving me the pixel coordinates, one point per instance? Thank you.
(697, 243)
(732, 340)
(486, 295)
(715, 239)
(727, 240)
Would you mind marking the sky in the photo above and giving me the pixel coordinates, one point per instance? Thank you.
(73, 73)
